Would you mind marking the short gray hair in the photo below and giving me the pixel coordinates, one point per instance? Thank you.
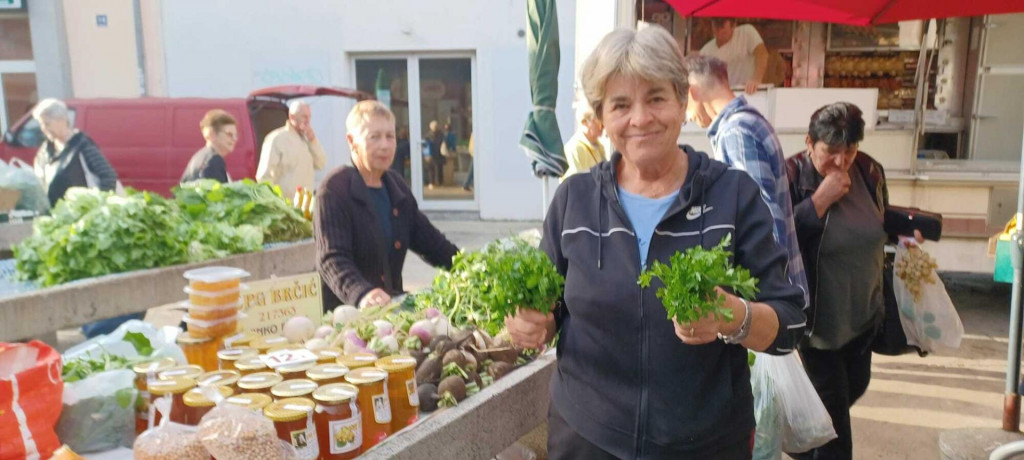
(363, 112)
(296, 105)
(706, 71)
(650, 53)
(51, 109)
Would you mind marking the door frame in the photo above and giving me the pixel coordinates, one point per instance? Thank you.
(20, 66)
(412, 61)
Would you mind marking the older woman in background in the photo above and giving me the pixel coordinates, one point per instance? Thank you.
(631, 383)
(68, 158)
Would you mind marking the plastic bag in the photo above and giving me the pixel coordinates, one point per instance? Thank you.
(169, 441)
(162, 341)
(930, 320)
(231, 432)
(19, 176)
(768, 435)
(99, 412)
(30, 392)
(803, 419)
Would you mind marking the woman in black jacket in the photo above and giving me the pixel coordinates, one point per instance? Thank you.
(68, 158)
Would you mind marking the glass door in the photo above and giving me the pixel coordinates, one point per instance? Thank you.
(388, 80)
(17, 70)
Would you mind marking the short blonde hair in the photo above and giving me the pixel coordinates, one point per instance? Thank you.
(650, 53)
(363, 112)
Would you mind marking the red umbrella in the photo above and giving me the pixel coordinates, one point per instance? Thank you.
(859, 13)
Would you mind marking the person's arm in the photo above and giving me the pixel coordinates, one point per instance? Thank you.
(319, 157)
(744, 151)
(99, 166)
(805, 216)
(215, 169)
(268, 170)
(760, 65)
(332, 231)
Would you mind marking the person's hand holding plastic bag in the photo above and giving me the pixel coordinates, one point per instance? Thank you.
(768, 435)
(929, 318)
(804, 421)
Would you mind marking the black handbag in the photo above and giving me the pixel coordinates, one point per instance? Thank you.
(889, 337)
(903, 221)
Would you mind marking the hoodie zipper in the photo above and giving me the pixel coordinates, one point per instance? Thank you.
(817, 278)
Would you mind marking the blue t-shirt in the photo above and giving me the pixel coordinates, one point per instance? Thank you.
(381, 201)
(645, 214)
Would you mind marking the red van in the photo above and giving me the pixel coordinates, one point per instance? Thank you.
(149, 141)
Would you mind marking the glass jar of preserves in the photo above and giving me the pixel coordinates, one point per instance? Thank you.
(241, 339)
(326, 374)
(355, 361)
(226, 358)
(201, 351)
(251, 365)
(328, 355)
(293, 420)
(173, 389)
(295, 371)
(284, 346)
(144, 372)
(225, 378)
(265, 343)
(260, 382)
(191, 371)
(405, 400)
(373, 403)
(197, 404)
(295, 388)
(339, 427)
(252, 401)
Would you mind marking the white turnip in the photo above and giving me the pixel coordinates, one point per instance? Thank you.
(345, 314)
(315, 344)
(299, 329)
(431, 313)
(323, 332)
(422, 329)
(383, 328)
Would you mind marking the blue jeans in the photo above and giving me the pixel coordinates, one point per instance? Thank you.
(469, 178)
(106, 326)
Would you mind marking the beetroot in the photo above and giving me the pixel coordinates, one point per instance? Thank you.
(452, 391)
(429, 371)
(428, 397)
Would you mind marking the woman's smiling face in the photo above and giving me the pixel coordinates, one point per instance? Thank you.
(642, 118)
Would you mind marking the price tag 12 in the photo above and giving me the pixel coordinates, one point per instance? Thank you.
(285, 357)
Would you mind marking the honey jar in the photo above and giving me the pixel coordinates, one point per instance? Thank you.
(173, 388)
(338, 423)
(328, 355)
(260, 382)
(252, 401)
(250, 365)
(264, 344)
(293, 421)
(375, 407)
(226, 358)
(241, 339)
(405, 400)
(197, 404)
(295, 371)
(144, 372)
(355, 361)
(295, 388)
(200, 351)
(325, 374)
(225, 378)
(191, 371)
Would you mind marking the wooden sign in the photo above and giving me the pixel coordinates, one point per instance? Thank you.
(270, 303)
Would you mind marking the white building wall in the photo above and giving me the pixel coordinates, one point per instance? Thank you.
(217, 48)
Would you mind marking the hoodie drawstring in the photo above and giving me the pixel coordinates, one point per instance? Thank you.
(600, 226)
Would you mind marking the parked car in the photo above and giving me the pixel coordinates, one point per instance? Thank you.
(150, 140)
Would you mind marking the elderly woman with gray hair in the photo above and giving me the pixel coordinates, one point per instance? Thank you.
(631, 383)
(68, 158)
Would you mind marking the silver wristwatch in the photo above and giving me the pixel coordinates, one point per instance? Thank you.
(744, 330)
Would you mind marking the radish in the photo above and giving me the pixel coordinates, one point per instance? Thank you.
(383, 328)
(422, 329)
(432, 313)
(323, 332)
(345, 314)
(442, 326)
(391, 343)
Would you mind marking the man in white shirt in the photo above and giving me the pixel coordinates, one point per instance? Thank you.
(743, 51)
(292, 152)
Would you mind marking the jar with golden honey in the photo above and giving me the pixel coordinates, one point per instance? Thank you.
(191, 371)
(241, 339)
(326, 374)
(260, 382)
(328, 355)
(220, 378)
(252, 401)
(357, 360)
(265, 343)
(284, 346)
(339, 426)
(197, 404)
(295, 371)
(293, 421)
(174, 389)
(201, 351)
(374, 405)
(144, 372)
(405, 400)
(226, 358)
(295, 388)
(251, 365)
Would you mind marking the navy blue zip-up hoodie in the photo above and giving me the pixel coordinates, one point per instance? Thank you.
(624, 381)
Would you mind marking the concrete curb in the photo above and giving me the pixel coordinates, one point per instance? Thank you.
(973, 443)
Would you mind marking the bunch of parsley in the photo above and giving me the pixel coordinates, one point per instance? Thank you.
(690, 279)
(243, 202)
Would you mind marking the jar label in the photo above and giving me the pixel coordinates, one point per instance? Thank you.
(382, 408)
(410, 389)
(305, 443)
(346, 435)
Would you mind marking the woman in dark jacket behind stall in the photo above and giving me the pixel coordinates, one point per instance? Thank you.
(68, 158)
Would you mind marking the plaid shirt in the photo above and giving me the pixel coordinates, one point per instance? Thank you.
(743, 139)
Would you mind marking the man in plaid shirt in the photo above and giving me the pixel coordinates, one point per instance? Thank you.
(742, 138)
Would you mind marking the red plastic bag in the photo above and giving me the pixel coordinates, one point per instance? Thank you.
(30, 400)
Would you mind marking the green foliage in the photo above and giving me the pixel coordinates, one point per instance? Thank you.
(89, 364)
(690, 279)
(243, 202)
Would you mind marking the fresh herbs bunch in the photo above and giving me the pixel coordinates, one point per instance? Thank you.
(86, 365)
(243, 202)
(690, 279)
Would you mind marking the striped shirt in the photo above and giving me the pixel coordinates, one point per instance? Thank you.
(743, 139)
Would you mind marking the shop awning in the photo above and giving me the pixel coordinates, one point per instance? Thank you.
(541, 138)
(859, 13)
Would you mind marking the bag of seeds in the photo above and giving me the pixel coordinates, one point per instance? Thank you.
(235, 433)
(169, 441)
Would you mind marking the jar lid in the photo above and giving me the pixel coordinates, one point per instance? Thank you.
(215, 274)
(326, 372)
(237, 353)
(289, 409)
(219, 378)
(335, 393)
(154, 366)
(252, 363)
(357, 360)
(191, 371)
(296, 368)
(365, 375)
(238, 340)
(293, 388)
(173, 385)
(330, 354)
(196, 398)
(189, 339)
(252, 401)
(266, 342)
(259, 381)
(285, 346)
(396, 363)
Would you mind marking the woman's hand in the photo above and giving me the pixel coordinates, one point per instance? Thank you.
(707, 328)
(530, 328)
(373, 298)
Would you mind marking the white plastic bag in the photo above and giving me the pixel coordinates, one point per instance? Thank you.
(931, 321)
(162, 341)
(768, 435)
(19, 176)
(99, 412)
(804, 421)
